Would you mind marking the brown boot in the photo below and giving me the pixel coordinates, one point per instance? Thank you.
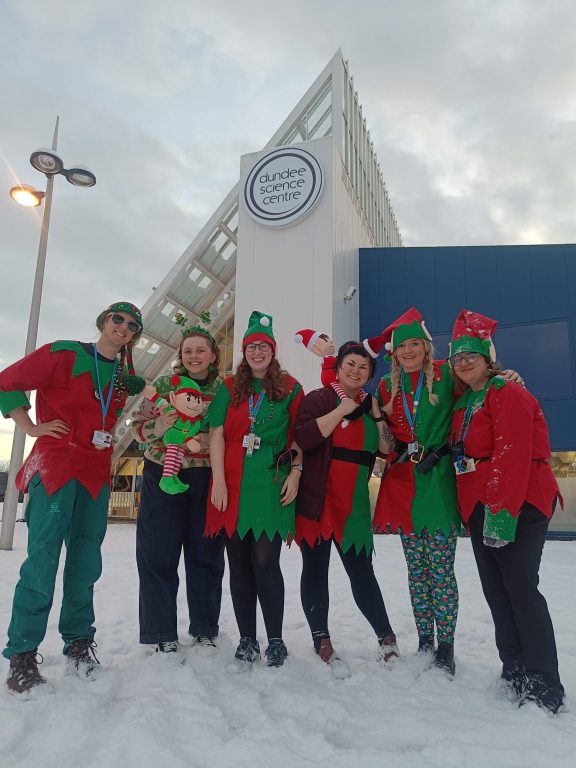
(24, 674)
(338, 666)
(388, 648)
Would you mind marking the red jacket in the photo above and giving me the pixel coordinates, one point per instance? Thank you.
(64, 377)
(510, 431)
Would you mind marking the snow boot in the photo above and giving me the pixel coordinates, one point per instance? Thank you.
(444, 657)
(547, 697)
(248, 650)
(276, 653)
(24, 675)
(172, 646)
(82, 660)
(339, 668)
(425, 644)
(513, 678)
(387, 648)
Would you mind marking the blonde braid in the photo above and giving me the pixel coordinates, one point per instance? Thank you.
(394, 385)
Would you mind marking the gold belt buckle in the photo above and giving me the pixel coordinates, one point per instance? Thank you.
(417, 457)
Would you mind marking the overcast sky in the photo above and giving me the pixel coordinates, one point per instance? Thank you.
(471, 106)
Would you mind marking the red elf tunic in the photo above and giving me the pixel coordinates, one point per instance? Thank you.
(64, 376)
(346, 512)
(508, 430)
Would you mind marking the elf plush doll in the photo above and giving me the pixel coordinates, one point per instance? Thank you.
(186, 400)
(321, 345)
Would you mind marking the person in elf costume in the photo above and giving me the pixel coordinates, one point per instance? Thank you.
(417, 400)
(255, 475)
(507, 494)
(186, 400)
(170, 527)
(81, 390)
(339, 428)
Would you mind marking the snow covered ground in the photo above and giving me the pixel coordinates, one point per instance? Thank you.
(144, 711)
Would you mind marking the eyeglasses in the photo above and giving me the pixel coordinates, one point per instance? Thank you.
(464, 357)
(132, 326)
(263, 346)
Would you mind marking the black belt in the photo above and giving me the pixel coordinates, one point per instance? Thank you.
(354, 457)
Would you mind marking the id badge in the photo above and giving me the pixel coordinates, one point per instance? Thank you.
(464, 465)
(251, 442)
(101, 439)
(412, 448)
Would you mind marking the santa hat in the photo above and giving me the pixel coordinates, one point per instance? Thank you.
(183, 384)
(374, 345)
(259, 329)
(307, 337)
(409, 325)
(473, 332)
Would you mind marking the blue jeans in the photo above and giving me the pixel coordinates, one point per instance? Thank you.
(167, 526)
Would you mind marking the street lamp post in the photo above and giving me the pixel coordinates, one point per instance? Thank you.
(50, 164)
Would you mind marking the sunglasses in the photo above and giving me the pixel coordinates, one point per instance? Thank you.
(133, 327)
(464, 358)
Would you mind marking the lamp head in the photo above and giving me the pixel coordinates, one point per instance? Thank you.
(27, 195)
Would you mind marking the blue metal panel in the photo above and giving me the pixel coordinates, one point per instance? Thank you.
(531, 290)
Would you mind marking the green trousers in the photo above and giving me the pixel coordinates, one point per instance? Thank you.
(70, 516)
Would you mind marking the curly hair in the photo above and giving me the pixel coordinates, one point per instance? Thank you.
(213, 370)
(273, 383)
(427, 367)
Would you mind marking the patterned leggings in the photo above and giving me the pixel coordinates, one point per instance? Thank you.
(432, 583)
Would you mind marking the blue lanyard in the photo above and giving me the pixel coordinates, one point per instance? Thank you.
(468, 414)
(104, 408)
(411, 417)
(253, 409)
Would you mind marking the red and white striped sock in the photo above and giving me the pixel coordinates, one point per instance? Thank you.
(172, 460)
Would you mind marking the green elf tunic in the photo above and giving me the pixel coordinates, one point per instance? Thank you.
(346, 514)
(254, 482)
(408, 500)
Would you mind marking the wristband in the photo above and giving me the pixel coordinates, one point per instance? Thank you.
(297, 466)
(380, 418)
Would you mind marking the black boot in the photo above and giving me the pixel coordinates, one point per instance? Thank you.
(425, 644)
(514, 678)
(444, 658)
(546, 696)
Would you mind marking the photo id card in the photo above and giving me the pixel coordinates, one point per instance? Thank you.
(251, 442)
(101, 439)
(463, 465)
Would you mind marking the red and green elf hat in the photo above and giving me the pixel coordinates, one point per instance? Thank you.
(409, 325)
(129, 309)
(473, 332)
(184, 384)
(259, 329)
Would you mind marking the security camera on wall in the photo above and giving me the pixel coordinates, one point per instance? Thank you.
(350, 293)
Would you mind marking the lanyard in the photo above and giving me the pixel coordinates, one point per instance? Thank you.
(104, 408)
(253, 409)
(468, 414)
(411, 417)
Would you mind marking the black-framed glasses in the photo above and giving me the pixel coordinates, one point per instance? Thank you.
(132, 326)
(263, 346)
(465, 358)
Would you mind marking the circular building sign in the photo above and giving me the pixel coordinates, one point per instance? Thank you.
(283, 186)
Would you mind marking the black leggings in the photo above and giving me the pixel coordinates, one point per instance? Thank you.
(255, 574)
(365, 589)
